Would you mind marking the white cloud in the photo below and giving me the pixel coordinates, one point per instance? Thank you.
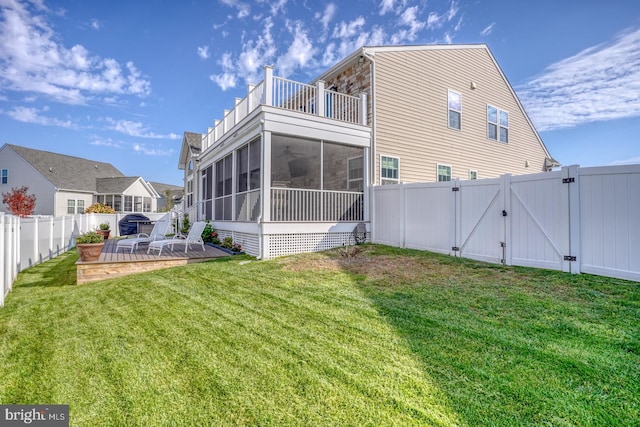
(95, 24)
(32, 59)
(436, 20)
(32, 115)
(487, 30)
(598, 84)
(299, 53)
(143, 149)
(326, 16)
(350, 36)
(386, 6)
(137, 129)
(108, 142)
(408, 19)
(203, 52)
(243, 8)
(630, 161)
(277, 6)
(248, 64)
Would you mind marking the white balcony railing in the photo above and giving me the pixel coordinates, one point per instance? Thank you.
(294, 96)
(296, 205)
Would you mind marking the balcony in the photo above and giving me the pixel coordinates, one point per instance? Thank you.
(292, 96)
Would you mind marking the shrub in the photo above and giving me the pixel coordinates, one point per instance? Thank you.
(90, 237)
(228, 243)
(104, 226)
(99, 208)
(209, 234)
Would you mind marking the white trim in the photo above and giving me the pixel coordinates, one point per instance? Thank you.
(389, 179)
(449, 109)
(438, 172)
(497, 124)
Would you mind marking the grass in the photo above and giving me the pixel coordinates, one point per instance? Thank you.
(389, 337)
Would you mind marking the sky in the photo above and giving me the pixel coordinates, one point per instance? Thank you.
(120, 81)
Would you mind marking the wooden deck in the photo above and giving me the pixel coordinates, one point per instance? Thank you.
(113, 264)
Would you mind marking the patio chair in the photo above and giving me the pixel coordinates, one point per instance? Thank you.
(194, 237)
(159, 231)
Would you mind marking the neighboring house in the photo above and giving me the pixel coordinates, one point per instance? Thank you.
(68, 185)
(169, 195)
(289, 168)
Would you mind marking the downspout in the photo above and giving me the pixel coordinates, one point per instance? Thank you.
(372, 160)
(262, 184)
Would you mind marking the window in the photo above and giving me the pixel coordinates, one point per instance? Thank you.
(355, 181)
(473, 174)
(189, 192)
(497, 124)
(389, 170)
(128, 203)
(224, 188)
(4, 174)
(455, 110)
(444, 173)
(75, 206)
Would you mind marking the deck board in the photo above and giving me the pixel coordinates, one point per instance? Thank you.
(120, 263)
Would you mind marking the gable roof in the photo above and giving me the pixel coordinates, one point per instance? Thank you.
(67, 172)
(161, 189)
(114, 185)
(191, 144)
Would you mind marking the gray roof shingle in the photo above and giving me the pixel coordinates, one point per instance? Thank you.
(67, 172)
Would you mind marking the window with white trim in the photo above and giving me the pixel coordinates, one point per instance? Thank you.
(4, 176)
(444, 172)
(473, 174)
(497, 124)
(355, 177)
(455, 109)
(389, 170)
(75, 206)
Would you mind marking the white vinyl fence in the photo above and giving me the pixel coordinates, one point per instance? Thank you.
(25, 242)
(574, 220)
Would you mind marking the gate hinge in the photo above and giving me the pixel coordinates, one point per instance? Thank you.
(568, 180)
(455, 248)
(569, 258)
(455, 188)
(503, 245)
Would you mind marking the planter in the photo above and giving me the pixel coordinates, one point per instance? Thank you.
(104, 233)
(89, 251)
(229, 251)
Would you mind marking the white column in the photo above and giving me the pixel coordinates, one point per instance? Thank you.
(268, 85)
(364, 111)
(320, 108)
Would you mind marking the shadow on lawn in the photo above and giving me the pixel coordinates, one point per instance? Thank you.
(57, 272)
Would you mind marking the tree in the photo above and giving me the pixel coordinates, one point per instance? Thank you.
(18, 202)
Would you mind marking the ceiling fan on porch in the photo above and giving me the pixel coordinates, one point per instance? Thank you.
(288, 152)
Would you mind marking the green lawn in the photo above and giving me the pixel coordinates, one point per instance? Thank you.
(391, 337)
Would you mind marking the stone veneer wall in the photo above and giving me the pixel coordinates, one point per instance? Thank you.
(354, 80)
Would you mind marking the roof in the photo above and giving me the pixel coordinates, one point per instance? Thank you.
(67, 172)
(191, 145)
(161, 189)
(115, 185)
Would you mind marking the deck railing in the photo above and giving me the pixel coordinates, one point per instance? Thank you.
(290, 95)
(297, 205)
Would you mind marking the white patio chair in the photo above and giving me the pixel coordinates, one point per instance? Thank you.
(159, 232)
(194, 237)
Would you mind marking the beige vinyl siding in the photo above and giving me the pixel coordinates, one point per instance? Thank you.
(412, 115)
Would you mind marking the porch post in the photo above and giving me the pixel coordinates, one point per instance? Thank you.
(320, 110)
(224, 121)
(266, 176)
(364, 111)
(250, 105)
(216, 129)
(236, 110)
(268, 85)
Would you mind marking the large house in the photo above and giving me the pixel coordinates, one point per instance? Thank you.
(68, 185)
(288, 169)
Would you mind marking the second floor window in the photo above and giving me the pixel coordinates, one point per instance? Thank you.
(389, 170)
(444, 173)
(4, 176)
(455, 110)
(497, 124)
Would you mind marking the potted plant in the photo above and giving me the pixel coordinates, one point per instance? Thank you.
(104, 230)
(89, 246)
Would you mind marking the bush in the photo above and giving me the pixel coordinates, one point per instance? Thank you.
(210, 235)
(90, 237)
(104, 226)
(229, 244)
(19, 202)
(99, 208)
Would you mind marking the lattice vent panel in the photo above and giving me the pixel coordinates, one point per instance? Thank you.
(290, 244)
(250, 242)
